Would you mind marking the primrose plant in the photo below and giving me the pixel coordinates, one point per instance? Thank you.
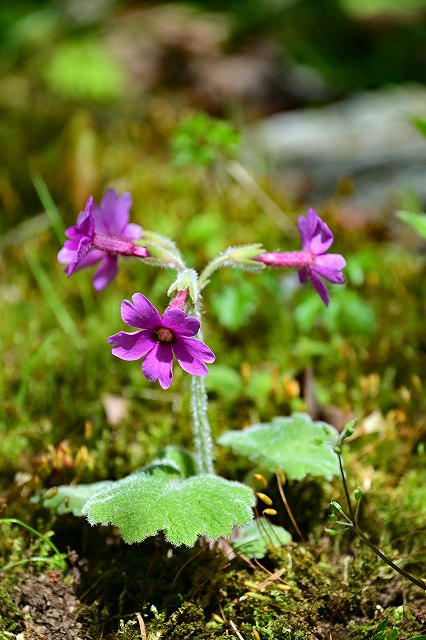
(179, 492)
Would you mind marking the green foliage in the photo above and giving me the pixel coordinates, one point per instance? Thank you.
(383, 632)
(83, 70)
(420, 123)
(349, 314)
(70, 498)
(41, 551)
(224, 381)
(235, 304)
(201, 141)
(296, 445)
(173, 459)
(127, 630)
(371, 8)
(254, 540)
(141, 505)
(416, 221)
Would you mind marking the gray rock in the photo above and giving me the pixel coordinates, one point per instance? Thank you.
(370, 137)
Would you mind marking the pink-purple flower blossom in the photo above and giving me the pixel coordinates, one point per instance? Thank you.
(312, 262)
(317, 238)
(101, 234)
(160, 338)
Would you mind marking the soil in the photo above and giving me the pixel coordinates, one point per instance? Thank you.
(49, 607)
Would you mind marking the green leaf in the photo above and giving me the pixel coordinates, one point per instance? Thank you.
(382, 625)
(254, 540)
(296, 445)
(417, 221)
(172, 460)
(141, 505)
(70, 499)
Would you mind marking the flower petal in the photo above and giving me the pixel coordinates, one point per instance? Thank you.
(322, 240)
(105, 273)
(315, 234)
(329, 266)
(131, 345)
(65, 256)
(303, 275)
(141, 314)
(90, 259)
(158, 365)
(320, 287)
(132, 231)
(83, 251)
(191, 355)
(112, 215)
(180, 323)
(301, 224)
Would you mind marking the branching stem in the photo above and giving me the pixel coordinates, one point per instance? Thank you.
(352, 522)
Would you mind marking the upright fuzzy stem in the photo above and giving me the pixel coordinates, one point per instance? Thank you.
(201, 426)
(199, 405)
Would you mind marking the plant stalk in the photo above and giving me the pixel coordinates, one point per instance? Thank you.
(371, 545)
(199, 407)
(201, 427)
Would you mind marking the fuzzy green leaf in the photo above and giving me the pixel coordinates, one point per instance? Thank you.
(70, 499)
(173, 460)
(141, 505)
(296, 445)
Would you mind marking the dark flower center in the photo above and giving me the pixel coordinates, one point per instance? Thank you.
(164, 335)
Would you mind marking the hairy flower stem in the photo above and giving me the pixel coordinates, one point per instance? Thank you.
(354, 525)
(201, 426)
(199, 406)
(208, 271)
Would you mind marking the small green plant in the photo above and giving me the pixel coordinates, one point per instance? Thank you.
(202, 141)
(181, 495)
(57, 560)
(349, 519)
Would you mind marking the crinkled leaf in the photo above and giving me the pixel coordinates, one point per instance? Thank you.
(141, 505)
(295, 444)
(70, 499)
(256, 538)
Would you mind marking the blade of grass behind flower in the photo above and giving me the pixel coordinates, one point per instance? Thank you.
(50, 208)
(57, 224)
(53, 300)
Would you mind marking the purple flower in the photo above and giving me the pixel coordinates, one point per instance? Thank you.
(160, 338)
(312, 262)
(317, 238)
(101, 234)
